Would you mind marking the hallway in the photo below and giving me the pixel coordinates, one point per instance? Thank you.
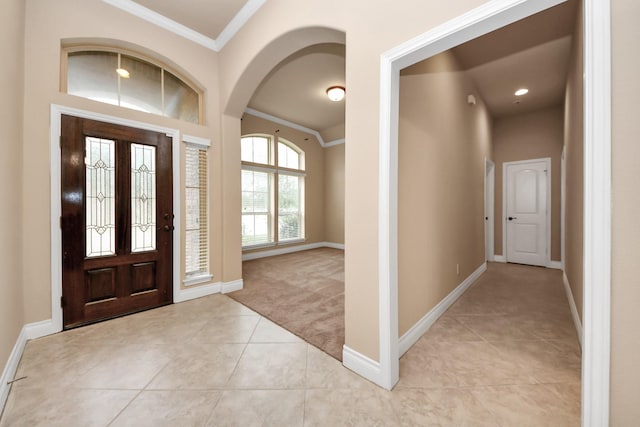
(505, 354)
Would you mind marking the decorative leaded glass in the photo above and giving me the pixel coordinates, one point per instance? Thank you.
(100, 206)
(143, 198)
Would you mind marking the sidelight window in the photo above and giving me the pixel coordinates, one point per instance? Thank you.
(196, 213)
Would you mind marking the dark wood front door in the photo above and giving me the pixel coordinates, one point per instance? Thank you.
(117, 220)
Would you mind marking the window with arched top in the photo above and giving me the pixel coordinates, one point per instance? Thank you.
(129, 81)
(272, 191)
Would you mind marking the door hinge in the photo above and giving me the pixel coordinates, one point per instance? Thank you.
(60, 141)
(63, 303)
(60, 222)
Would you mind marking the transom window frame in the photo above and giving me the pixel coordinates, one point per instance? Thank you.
(67, 49)
(273, 168)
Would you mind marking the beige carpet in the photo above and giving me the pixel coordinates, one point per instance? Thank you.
(302, 292)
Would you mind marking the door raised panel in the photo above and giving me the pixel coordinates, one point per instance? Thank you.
(144, 277)
(526, 191)
(101, 284)
(527, 241)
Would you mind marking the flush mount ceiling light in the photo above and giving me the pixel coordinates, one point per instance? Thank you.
(336, 93)
(123, 73)
(522, 91)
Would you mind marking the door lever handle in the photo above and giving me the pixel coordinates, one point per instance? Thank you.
(512, 218)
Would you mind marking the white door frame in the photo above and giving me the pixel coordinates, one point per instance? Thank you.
(597, 184)
(563, 195)
(489, 209)
(56, 207)
(547, 161)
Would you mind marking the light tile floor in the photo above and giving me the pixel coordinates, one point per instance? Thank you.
(505, 354)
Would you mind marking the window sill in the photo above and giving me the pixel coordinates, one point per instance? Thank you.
(273, 245)
(291, 242)
(258, 246)
(197, 279)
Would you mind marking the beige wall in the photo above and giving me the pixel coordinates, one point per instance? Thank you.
(574, 159)
(47, 25)
(334, 194)
(333, 133)
(625, 292)
(529, 136)
(314, 180)
(443, 142)
(260, 45)
(11, 85)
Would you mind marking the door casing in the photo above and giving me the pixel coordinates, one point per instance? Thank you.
(56, 209)
(489, 210)
(597, 188)
(547, 161)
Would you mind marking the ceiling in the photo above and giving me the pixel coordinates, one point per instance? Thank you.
(295, 90)
(204, 16)
(533, 52)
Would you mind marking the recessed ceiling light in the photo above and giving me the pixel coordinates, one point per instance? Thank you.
(123, 73)
(336, 93)
(522, 91)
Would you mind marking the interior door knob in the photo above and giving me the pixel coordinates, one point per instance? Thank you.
(168, 228)
(512, 218)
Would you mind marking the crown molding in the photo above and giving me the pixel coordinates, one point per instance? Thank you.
(295, 126)
(238, 21)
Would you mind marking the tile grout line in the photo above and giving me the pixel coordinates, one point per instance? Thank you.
(124, 409)
(235, 368)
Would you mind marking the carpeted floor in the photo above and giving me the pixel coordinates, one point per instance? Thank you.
(302, 292)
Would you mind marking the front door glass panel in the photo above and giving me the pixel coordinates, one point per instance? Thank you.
(143, 198)
(100, 207)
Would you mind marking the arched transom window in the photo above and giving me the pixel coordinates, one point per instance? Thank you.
(125, 80)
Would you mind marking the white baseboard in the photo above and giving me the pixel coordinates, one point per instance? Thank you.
(290, 249)
(499, 258)
(572, 306)
(362, 365)
(197, 292)
(11, 367)
(422, 326)
(333, 245)
(233, 286)
(30, 331)
(194, 292)
(555, 264)
(40, 329)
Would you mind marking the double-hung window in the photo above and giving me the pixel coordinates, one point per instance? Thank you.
(272, 191)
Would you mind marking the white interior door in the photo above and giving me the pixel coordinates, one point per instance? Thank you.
(526, 212)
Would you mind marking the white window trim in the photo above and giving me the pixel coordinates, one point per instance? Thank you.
(197, 279)
(196, 140)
